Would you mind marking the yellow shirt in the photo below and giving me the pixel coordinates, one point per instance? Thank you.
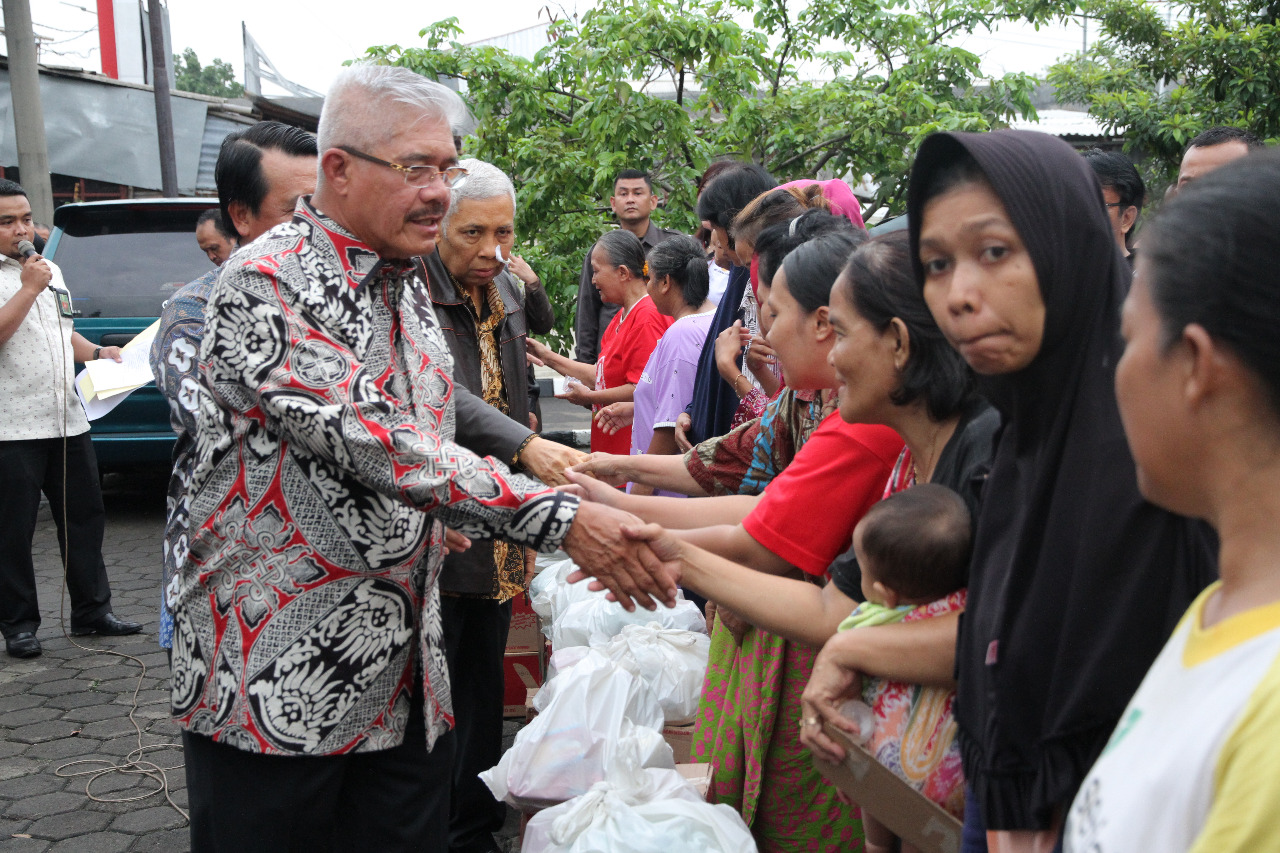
(1194, 764)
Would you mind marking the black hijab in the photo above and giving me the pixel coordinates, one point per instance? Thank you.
(1076, 580)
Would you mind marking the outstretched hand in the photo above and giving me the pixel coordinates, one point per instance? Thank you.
(547, 460)
(607, 467)
(615, 417)
(591, 489)
(629, 568)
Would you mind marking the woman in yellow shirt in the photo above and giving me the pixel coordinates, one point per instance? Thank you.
(1192, 764)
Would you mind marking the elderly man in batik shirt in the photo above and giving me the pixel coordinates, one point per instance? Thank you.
(308, 673)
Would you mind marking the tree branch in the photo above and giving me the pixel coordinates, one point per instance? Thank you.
(815, 149)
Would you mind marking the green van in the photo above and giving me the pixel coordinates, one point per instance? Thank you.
(122, 260)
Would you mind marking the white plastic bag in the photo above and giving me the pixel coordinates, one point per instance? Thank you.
(671, 661)
(597, 620)
(596, 720)
(550, 593)
(612, 820)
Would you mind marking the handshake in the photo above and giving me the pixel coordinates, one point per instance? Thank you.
(637, 563)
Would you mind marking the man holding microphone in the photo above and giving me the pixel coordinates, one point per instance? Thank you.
(44, 440)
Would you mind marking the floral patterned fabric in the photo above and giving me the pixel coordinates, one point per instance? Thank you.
(748, 725)
(748, 729)
(176, 367)
(307, 605)
(746, 459)
(915, 733)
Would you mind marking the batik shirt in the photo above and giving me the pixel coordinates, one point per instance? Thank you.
(323, 439)
(175, 365)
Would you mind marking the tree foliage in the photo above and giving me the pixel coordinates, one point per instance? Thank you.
(1160, 81)
(670, 85)
(217, 79)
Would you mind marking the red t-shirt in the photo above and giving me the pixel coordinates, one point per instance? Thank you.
(625, 348)
(807, 513)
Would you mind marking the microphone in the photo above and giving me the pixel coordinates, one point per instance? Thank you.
(26, 248)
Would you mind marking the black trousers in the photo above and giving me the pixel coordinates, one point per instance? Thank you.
(28, 468)
(475, 639)
(393, 801)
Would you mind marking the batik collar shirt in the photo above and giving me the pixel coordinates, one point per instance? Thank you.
(325, 462)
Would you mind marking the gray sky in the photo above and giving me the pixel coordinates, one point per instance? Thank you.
(308, 42)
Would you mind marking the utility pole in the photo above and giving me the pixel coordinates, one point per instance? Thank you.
(28, 115)
(164, 109)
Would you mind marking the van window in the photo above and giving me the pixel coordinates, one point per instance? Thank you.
(126, 261)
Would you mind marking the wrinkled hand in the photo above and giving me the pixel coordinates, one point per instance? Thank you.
(546, 460)
(628, 568)
(684, 423)
(36, 274)
(455, 542)
(736, 625)
(830, 686)
(521, 270)
(610, 468)
(616, 416)
(593, 490)
(760, 356)
(575, 392)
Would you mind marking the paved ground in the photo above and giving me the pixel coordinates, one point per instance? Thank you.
(73, 704)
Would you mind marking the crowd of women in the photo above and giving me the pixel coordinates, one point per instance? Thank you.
(1089, 658)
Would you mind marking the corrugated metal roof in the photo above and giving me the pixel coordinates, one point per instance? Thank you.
(216, 129)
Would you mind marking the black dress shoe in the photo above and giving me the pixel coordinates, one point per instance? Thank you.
(108, 626)
(22, 645)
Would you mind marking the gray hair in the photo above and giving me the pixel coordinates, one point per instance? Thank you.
(354, 111)
(484, 180)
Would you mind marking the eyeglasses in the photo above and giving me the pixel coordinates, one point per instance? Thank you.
(415, 176)
(1115, 204)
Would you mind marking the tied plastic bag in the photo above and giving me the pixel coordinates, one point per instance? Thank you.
(596, 720)
(550, 593)
(665, 818)
(597, 620)
(671, 661)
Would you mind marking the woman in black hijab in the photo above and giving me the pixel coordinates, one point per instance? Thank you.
(1076, 580)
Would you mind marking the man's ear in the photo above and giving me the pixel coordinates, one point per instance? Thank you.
(241, 218)
(336, 165)
(1127, 218)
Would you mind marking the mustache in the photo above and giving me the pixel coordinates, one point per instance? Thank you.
(433, 210)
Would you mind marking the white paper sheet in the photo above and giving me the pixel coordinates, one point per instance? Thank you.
(95, 406)
(105, 383)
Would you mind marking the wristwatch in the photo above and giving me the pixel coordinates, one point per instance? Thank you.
(97, 351)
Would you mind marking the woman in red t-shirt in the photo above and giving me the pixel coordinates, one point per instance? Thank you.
(618, 272)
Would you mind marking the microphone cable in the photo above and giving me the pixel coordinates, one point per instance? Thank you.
(134, 762)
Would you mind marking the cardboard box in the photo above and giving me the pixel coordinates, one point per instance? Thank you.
(699, 775)
(681, 740)
(529, 711)
(912, 816)
(519, 673)
(524, 637)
